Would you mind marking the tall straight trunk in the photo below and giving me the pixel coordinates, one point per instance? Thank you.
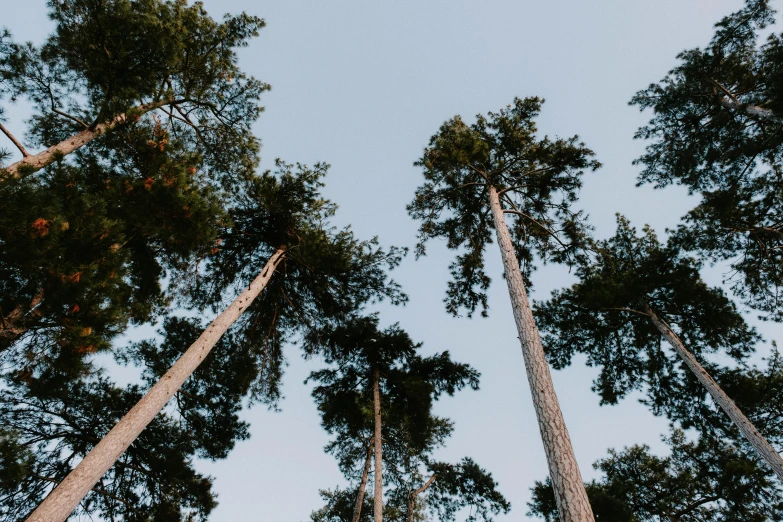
(33, 162)
(357, 511)
(376, 396)
(759, 443)
(64, 498)
(416, 493)
(570, 494)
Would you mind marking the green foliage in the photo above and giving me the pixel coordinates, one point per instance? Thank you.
(105, 58)
(716, 129)
(340, 504)
(702, 481)
(603, 317)
(539, 180)
(53, 427)
(83, 247)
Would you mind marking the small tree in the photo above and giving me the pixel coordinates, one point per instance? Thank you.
(716, 130)
(634, 293)
(476, 175)
(706, 481)
(380, 372)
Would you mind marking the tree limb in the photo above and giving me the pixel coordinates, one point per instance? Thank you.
(14, 141)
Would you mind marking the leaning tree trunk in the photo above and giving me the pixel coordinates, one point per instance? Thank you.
(357, 511)
(570, 494)
(378, 502)
(64, 498)
(416, 493)
(33, 162)
(759, 443)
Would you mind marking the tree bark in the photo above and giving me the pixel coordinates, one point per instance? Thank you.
(34, 162)
(416, 493)
(64, 498)
(357, 511)
(12, 326)
(378, 472)
(759, 443)
(570, 494)
(753, 111)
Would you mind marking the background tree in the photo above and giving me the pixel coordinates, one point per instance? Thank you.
(635, 293)
(703, 481)
(474, 176)
(408, 385)
(717, 130)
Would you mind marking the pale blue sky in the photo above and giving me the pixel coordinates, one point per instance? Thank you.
(362, 86)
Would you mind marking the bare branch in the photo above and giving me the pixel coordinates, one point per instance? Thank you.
(14, 141)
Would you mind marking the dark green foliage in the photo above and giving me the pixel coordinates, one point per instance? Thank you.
(701, 481)
(326, 273)
(464, 485)
(340, 504)
(409, 385)
(539, 180)
(717, 129)
(52, 427)
(83, 247)
(603, 317)
(107, 57)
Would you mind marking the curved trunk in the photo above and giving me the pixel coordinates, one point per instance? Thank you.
(33, 162)
(357, 511)
(759, 443)
(570, 494)
(65, 497)
(378, 502)
(416, 493)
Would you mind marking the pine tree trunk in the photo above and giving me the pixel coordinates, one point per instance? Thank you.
(570, 494)
(29, 164)
(357, 511)
(378, 502)
(759, 443)
(65, 497)
(416, 493)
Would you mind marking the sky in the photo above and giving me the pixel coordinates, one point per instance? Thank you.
(363, 86)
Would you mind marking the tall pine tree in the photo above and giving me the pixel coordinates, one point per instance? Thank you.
(475, 175)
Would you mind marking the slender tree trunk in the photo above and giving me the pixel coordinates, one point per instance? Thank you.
(416, 493)
(357, 511)
(759, 443)
(378, 502)
(570, 494)
(33, 162)
(65, 497)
